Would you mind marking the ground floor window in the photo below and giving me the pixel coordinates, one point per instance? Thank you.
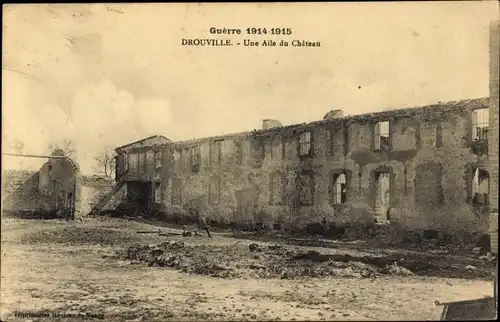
(176, 191)
(382, 195)
(480, 187)
(214, 190)
(339, 188)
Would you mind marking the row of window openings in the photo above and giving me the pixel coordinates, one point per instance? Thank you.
(480, 122)
(480, 188)
(339, 190)
(137, 162)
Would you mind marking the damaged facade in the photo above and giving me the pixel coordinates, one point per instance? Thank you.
(423, 168)
(53, 191)
(143, 168)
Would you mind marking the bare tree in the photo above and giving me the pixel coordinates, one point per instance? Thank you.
(106, 162)
(66, 148)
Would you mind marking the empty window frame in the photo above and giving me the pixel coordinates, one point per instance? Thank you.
(143, 157)
(150, 160)
(382, 136)
(428, 134)
(480, 122)
(158, 164)
(214, 191)
(238, 152)
(480, 187)
(338, 144)
(257, 152)
(158, 160)
(305, 144)
(176, 191)
(125, 192)
(195, 155)
(382, 194)
(216, 152)
(339, 188)
(133, 161)
(277, 149)
(126, 162)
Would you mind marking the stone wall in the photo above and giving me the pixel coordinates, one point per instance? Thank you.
(19, 191)
(269, 176)
(53, 191)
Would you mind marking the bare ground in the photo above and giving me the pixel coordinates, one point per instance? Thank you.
(96, 268)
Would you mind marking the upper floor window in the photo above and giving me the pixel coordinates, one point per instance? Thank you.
(382, 136)
(305, 145)
(238, 151)
(143, 157)
(216, 152)
(195, 155)
(133, 161)
(277, 149)
(338, 144)
(158, 162)
(428, 134)
(480, 122)
(126, 163)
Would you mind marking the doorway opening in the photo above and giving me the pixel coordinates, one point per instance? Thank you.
(140, 194)
(382, 195)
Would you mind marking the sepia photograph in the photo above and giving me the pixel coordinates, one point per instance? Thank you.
(280, 161)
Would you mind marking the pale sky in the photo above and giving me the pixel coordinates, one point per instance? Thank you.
(111, 74)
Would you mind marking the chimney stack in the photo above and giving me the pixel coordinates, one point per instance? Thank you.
(333, 114)
(269, 124)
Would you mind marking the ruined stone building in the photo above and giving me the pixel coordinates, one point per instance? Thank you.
(423, 168)
(143, 169)
(53, 191)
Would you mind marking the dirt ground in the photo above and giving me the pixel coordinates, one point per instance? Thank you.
(102, 268)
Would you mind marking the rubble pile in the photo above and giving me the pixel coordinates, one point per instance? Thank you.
(176, 254)
(256, 261)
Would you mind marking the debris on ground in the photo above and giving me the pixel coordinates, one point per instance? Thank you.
(275, 261)
(254, 248)
(263, 259)
(79, 235)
